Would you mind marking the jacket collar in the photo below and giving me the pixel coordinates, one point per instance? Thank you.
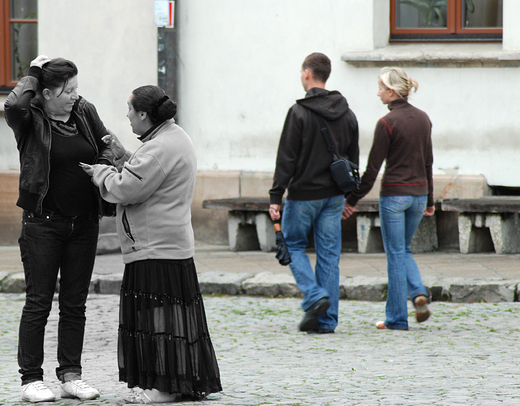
(152, 132)
(399, 103)
(316, 91)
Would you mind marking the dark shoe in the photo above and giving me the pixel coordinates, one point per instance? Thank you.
(321, 331)
(310, 320)
(422, 313)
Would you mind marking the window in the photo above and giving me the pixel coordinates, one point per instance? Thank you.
(446, 20)
(18, 39)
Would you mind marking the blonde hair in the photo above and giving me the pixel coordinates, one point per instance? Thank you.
(397, 80)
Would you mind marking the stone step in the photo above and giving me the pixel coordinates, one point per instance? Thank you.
(456, 290)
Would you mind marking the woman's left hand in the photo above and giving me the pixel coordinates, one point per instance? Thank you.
(430, 210)
(117, 148)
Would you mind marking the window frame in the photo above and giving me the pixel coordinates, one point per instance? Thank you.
(5, 43)
(454, 30)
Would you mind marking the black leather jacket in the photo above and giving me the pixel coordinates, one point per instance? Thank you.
(32, 130)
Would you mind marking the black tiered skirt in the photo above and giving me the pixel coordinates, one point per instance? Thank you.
(164, 341)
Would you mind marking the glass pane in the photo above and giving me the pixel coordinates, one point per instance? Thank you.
(482, 13)
(24, 9)
(24, 48)
(421, 14)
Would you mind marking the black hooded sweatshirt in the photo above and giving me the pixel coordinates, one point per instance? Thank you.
(303, 160)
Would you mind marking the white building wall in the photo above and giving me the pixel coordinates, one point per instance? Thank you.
(240, 74)
(114, 45)
(239, 70)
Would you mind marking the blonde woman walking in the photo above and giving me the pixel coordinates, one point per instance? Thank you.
(403, 139)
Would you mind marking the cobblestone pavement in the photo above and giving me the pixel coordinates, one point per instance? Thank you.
(466, 354)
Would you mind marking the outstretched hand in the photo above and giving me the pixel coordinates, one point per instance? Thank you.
(90, 169)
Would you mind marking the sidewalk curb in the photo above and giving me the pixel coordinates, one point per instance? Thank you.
(456, 290)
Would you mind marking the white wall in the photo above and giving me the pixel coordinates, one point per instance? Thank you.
(240, 63)
(114, 45)
(240, 74)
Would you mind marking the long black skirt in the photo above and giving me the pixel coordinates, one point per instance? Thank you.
(163, 340)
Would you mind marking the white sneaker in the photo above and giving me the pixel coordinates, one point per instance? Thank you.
(37, 392)
(78, 389)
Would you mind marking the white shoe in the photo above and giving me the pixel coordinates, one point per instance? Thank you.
(37, 392)
(78, 389)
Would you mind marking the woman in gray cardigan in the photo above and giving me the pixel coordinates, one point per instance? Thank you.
(164, 346)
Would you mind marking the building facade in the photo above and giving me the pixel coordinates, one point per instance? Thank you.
(238, 73)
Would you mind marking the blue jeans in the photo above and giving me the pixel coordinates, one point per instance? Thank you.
(325, 215)
(400, 216)
(48, 244)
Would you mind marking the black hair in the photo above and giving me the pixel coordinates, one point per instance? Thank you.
(56, 73)
(319, 64)
(152, 100)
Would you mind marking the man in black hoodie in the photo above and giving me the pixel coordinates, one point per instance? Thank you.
(313, 198)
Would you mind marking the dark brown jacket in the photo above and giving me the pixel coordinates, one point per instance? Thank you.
(403, 138)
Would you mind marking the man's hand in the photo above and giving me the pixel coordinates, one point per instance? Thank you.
(274, 211)
(348, 211)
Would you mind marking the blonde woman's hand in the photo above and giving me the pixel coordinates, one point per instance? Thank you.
(348, 211)
(430, 210)
(40, 60)
(117, 148)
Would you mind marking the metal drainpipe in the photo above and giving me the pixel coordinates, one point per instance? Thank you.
(168, 57)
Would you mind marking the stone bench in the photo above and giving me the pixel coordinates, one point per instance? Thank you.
(489, 223)
(250, 227)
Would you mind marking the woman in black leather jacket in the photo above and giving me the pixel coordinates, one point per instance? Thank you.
(55, 129)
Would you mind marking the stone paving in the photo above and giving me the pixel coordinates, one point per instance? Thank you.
(466, 354)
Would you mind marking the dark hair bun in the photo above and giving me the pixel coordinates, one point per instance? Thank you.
(166, 109)
(152, 100)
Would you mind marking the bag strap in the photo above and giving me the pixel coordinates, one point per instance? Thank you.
(325, 133)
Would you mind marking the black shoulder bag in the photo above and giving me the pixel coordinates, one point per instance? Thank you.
(344, 172)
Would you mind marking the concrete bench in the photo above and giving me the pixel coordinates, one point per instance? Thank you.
(489, 223)
(250, 227)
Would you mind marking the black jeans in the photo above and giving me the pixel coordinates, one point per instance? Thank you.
(48, 244)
